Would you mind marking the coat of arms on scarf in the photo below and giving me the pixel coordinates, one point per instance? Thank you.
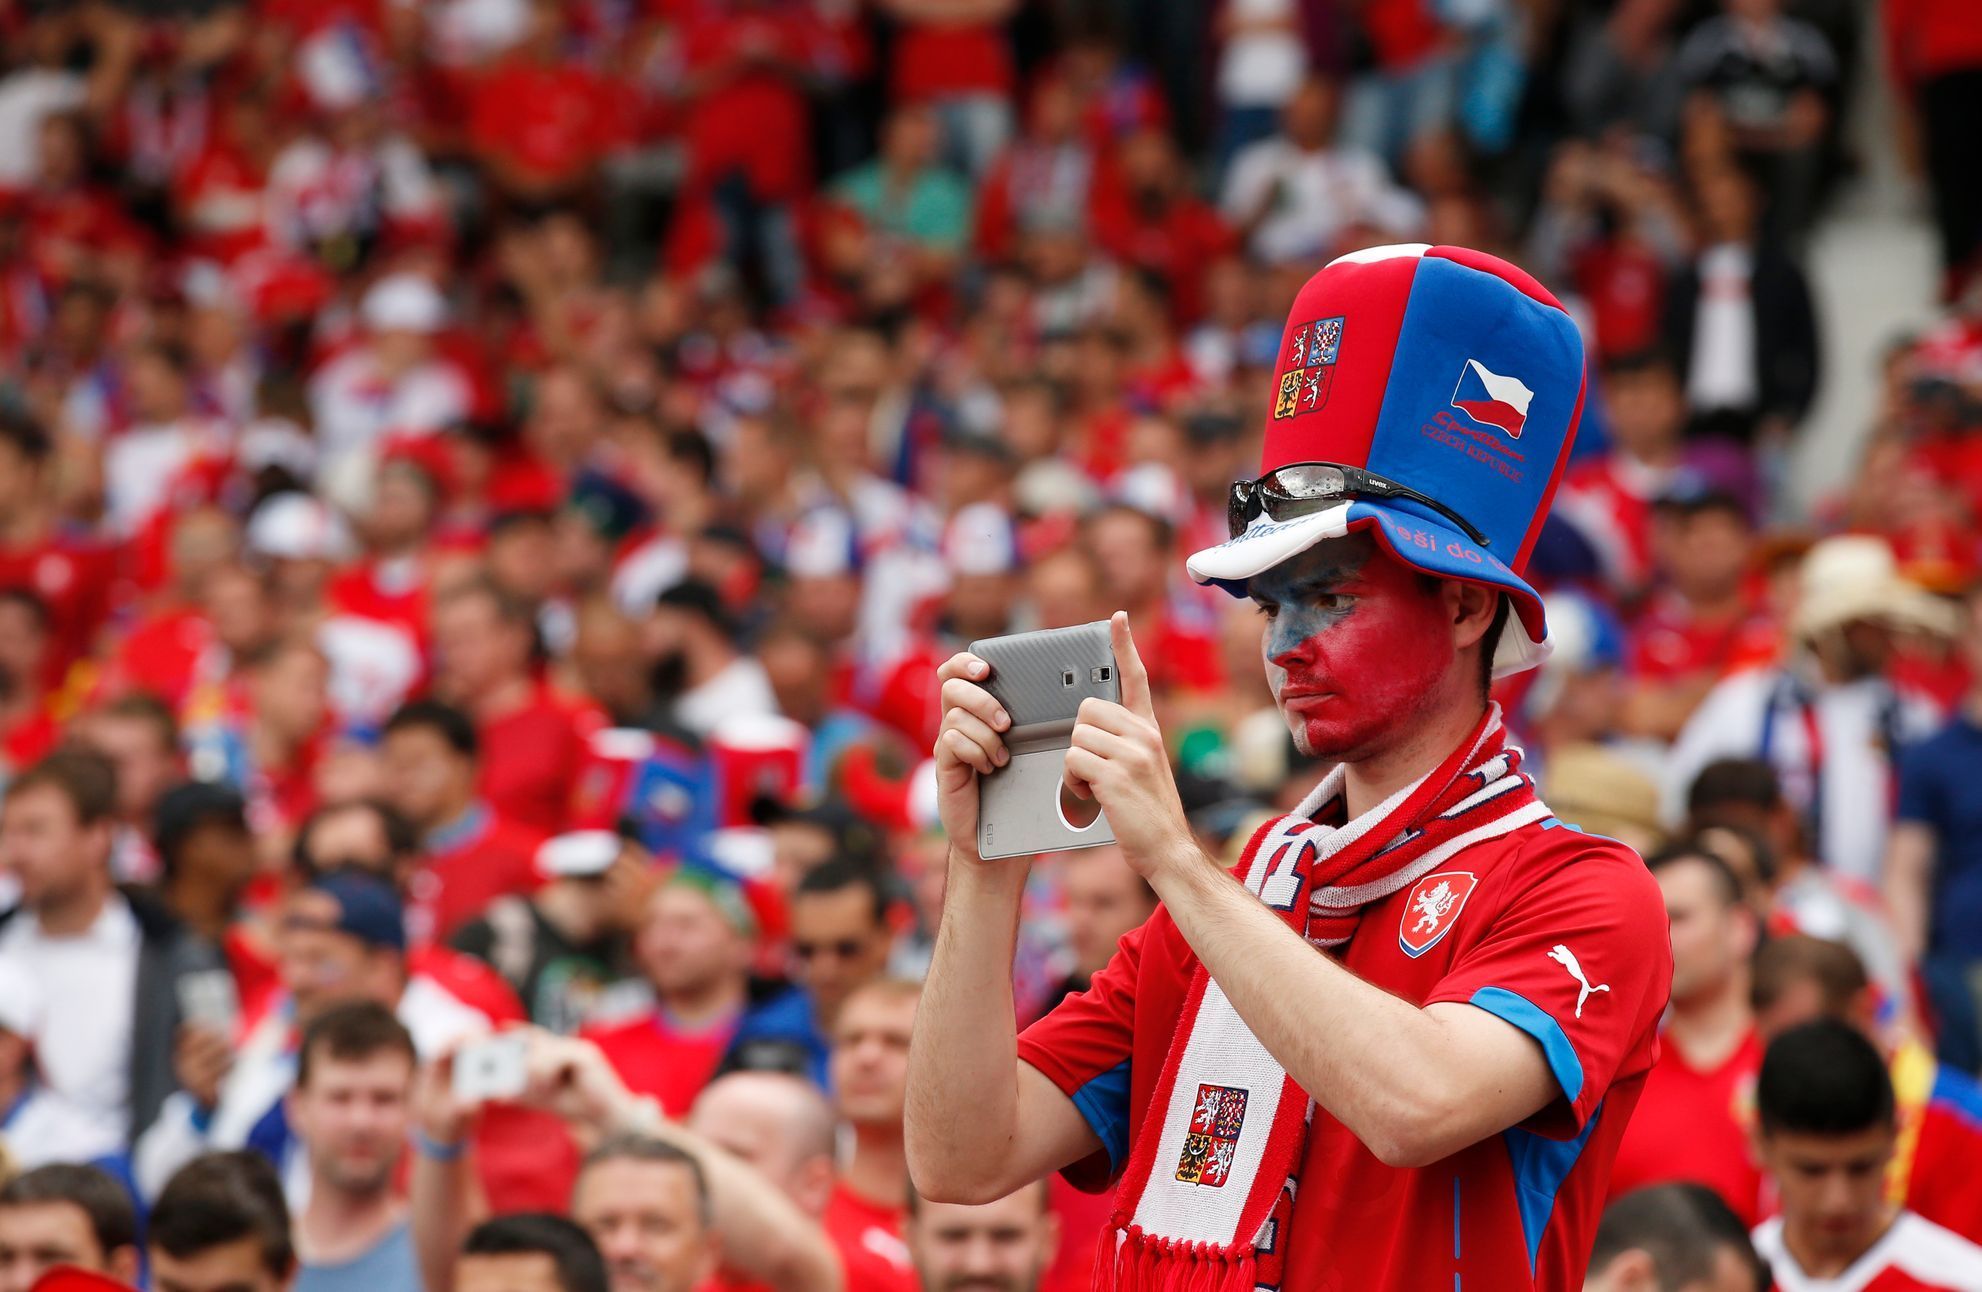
(1214, 1136)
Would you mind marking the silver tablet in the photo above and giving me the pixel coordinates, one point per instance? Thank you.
(1041, 678)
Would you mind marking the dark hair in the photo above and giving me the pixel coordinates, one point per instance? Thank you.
(700, 599)
(26, 433)
(1490, 641)
(185, 808)
(1650, 359)
(402, 838)
(691, 449)
(645, 1148)
(1739, 782)
(1683, 1227)
(837, 874)
(83, 776)
(1823, 1078)
(1725, 879)
(112, 1219)
(450, 723)
(580, 1268)
(352, 1032)
(222, 1198)
(1783, 961)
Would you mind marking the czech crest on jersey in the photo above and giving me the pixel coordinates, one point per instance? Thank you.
(1431, 909)
(1311, 351)
(1214, 1136)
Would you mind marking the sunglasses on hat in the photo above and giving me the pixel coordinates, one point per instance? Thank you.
(1301, 488)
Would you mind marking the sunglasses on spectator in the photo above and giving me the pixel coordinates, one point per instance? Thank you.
(1301, 488)
(844, 949)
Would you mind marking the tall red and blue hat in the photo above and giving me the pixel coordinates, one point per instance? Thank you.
(1437, 391)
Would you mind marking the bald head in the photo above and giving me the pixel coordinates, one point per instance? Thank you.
(778, 1123)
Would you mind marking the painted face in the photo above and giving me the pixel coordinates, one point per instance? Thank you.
(1355, 645)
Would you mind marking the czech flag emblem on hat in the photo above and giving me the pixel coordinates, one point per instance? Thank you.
(1441, 372)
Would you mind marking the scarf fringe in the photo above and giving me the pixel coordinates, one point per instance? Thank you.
(1142, 1262)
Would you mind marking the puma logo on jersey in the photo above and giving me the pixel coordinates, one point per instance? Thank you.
(1567, 959)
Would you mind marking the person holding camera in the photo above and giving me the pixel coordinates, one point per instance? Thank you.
(1396, 1046)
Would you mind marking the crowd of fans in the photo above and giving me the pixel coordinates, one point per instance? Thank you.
(485, 486)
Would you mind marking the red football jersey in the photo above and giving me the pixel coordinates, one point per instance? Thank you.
(1561, 934)
(653, 1057)
(1913, 1255)
(1692, 1124)
(869, 1239)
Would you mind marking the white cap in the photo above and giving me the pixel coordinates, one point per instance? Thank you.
(578, 855)
(297, 527)
(278, 442)
(980, 539)
(403, 303)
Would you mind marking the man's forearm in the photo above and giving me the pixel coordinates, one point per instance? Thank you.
(763, 1234)
(1379, 1064)
(963, 1066)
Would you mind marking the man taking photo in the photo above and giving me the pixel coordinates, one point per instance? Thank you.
(1400, 1050)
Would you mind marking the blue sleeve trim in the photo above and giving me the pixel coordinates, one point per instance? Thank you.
(1540, 1166)
(1957, 1092)
(1523, 1013)
(1104, 1102)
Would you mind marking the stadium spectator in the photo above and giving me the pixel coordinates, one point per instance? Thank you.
(206, 859)
(393, 380)
(108, 965)
(840, 934)
(1744, 794)
(1103, 898)
(431, 770)
(870, 1083)
(1298, 195)
(66, 1215)
(220, 1223)
(1677, 1236)
(531, 1252)
(1740, 322)
(1828, 719)
(486, 650)
(1933, 864)
(565, 946)
(1006, 1244)
(1826, 1133)
(1688, 1125)
(1934, 57)
(350, 1113)
(907, 200)
(73, 577)
(662, 1203)
(341, 939)
(139, 734)
(698, 673)
(694, 948)
(1938, 1109)
(27, 730)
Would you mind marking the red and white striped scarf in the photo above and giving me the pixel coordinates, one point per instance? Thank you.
(1205, 1200)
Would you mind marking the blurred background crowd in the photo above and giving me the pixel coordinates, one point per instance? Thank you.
(485, 486)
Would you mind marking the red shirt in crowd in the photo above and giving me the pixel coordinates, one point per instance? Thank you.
(749, 113)
(1670, 643)
(529, 756)
(934, 60)
(869, 1238)
(1692, 1124)
(468, 865)
(553, 123)
(1528, 1198)
(655, 1057)
(73, 580)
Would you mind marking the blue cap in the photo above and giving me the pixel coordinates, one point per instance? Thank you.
(367, 908)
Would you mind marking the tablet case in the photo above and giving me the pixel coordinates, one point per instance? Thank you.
(1041, 678)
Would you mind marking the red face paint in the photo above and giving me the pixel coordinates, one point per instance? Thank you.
(1355, 645)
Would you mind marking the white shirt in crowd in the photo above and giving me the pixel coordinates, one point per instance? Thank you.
(740, 690)
(88, 984)
(27, 98)
(1314, 196)
(1265, 58)
(1849, 778)
(1914, 1248)
(1722, 371)
(354, 404)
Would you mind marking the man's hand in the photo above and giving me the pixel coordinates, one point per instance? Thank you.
(1117, 758)
(573, 1079)
(969, 744)
(442, 1117)
(201, 1059)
